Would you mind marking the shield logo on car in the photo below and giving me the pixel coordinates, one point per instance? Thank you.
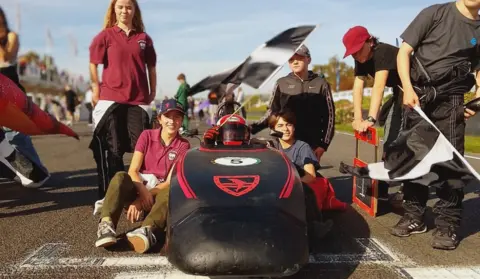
(237, 185)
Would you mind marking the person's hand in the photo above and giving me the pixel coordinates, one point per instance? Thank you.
(146, 198)
(134, 211)
(211, 134)
(319, 153)
(356, 124)
(410, 98)
(468, 113)
(365, 125)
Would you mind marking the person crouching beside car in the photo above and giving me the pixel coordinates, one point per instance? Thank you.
(303, 157)
(145, 188)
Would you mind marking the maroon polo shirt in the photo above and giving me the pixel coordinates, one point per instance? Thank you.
(124, 59)
(158, 158)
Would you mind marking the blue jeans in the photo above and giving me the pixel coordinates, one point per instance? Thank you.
(24, 144)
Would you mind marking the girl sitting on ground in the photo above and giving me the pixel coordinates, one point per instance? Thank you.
(145, 188)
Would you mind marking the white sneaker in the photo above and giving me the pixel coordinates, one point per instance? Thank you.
(141, 239)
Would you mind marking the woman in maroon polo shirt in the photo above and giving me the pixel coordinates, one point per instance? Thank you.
(121, 102)
(145, 187)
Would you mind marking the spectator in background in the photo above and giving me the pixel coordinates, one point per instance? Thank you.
(88, 104)
(181, 97)
(71, 102)
(122, 100)
(191, 106)
(9, 46)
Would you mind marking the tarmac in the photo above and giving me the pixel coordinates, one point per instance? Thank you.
(50, 232)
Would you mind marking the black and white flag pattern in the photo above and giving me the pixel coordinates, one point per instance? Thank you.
(427, 161)
(263, 63)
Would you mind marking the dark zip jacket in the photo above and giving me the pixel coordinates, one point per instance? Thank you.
(312, 103)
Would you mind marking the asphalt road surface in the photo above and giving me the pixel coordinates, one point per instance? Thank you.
(50, 232)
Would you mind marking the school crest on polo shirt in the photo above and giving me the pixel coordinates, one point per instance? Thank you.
(142, 44)
(172, 155)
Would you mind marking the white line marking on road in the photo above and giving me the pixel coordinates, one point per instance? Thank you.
(157, 275)
(48, 256)
(445, 273)
(466, 156)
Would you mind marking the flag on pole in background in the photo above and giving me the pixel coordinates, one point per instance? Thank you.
(49, 41)
(262, 64)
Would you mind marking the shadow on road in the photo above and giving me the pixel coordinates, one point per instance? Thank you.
(63, 190)
(341, 249)
(471, 215)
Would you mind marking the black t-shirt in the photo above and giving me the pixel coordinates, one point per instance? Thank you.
(384, 58)
(71, 97)
(442, 37)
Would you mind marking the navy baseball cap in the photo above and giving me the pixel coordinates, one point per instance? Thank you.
(169, 105)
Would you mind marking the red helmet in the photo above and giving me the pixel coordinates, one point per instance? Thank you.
(234, 130)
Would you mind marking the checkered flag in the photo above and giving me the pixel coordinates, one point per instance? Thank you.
(262, 64)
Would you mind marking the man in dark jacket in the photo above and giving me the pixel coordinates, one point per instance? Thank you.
(310, 98)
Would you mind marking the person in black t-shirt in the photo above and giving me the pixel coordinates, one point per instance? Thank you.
(378, 60)
(444, 39)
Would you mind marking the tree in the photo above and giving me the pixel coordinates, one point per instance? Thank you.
(31, 56)
(347, 74)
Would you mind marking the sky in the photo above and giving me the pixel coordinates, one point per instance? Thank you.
(203, 37)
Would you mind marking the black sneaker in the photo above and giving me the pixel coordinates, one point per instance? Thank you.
(407, 226)
(445, 239)
(106, 234)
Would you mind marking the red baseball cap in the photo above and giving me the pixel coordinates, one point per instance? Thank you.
(354, 39)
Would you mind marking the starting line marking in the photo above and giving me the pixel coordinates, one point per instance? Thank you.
(157, 275)
(445, 273)
(48, 256)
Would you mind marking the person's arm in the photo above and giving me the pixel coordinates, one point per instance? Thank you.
(151, 61)
(98, 55)
(11, 49)
(328, 123)
(152, 76)
(162, 185)
(273, 107)
(165, 184)
(410, 98)
(477, 86)
(358, 86)
(134, 170)
(377, 92)
(412, 37)
(309, 175)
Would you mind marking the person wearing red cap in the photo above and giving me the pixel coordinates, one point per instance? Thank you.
(443, 39)
(309, 97)
(377, 60)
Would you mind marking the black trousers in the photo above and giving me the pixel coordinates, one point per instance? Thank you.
(447, 114)
(120, 129)
(90, 110)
